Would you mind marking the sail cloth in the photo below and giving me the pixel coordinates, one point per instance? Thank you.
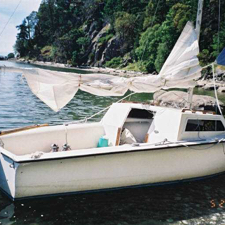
(221, 58)
(180, 70)
(182, 65)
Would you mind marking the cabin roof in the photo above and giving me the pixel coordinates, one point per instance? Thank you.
(168, 123)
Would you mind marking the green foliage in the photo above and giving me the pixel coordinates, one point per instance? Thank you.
(155, 13)
(62, 30)
(134, 67)
(11, 55)
(91, 57)
(83, 42)
(114, 62)
(146, 52)
(218, 42)
(105, 39)
(181, 14)
(68, 43)
(204, 57)
(74, 58)
(125, 25)
(162, 53)
(46, 51)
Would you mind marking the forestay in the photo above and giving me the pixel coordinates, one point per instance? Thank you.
(180, 70)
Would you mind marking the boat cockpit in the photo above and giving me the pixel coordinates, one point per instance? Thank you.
(123, 123)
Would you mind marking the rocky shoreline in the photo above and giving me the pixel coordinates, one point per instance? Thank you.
(117, 72)
(174, 99)
(206, 84)
(209, 85)
(178, 99)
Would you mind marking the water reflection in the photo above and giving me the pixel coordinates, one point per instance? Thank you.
(196, 202)
(7, 213)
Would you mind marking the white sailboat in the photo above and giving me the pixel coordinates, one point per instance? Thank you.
(134, 144)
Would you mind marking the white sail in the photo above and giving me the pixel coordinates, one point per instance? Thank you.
(180, 70)
(182, 65)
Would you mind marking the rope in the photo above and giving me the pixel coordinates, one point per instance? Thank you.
(10, 18)
(98, 113)
(167, 142)
(218, 142)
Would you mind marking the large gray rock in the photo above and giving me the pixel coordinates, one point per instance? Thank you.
(92, 28)
(97, 48)
(178, 99)
(221, 90)
(99, 52)
(210, 86)
(112, 49)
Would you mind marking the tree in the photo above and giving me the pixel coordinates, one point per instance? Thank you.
(125, 27)
(11, 56)
(21, 45)
(67, 45)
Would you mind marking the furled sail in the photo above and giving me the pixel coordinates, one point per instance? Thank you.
(180, 70)
(182, 65)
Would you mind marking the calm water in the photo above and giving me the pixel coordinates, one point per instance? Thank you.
(199, 202)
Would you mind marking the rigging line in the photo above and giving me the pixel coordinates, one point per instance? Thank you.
(99, 112)
(103, 110)
(10, 18)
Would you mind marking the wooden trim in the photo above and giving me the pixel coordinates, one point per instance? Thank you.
(146, 138)
(118, 136)
(22, 129)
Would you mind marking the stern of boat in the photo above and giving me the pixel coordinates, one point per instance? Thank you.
(7, 174)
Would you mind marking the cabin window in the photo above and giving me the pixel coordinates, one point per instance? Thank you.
(204, 125)
(140, 113)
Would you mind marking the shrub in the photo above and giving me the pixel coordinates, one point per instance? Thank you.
(105, 39)
(114, 62)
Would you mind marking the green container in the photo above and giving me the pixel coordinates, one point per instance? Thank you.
(103, 142)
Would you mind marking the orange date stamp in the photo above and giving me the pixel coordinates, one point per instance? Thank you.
(215, 204)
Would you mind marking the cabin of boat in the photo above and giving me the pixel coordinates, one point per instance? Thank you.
(30, 168)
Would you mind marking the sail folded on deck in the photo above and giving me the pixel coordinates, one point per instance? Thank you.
(56, 89)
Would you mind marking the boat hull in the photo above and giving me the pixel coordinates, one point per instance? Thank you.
(113, 170)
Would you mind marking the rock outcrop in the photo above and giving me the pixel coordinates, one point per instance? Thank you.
(178, 99)
(103, 47)
(111, 50)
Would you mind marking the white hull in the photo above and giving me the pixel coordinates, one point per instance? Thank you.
(113, 170)
(170, 148)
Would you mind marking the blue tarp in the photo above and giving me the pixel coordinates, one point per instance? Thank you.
(221, 58)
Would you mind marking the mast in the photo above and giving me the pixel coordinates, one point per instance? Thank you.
(199, 18)
(197, 29)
